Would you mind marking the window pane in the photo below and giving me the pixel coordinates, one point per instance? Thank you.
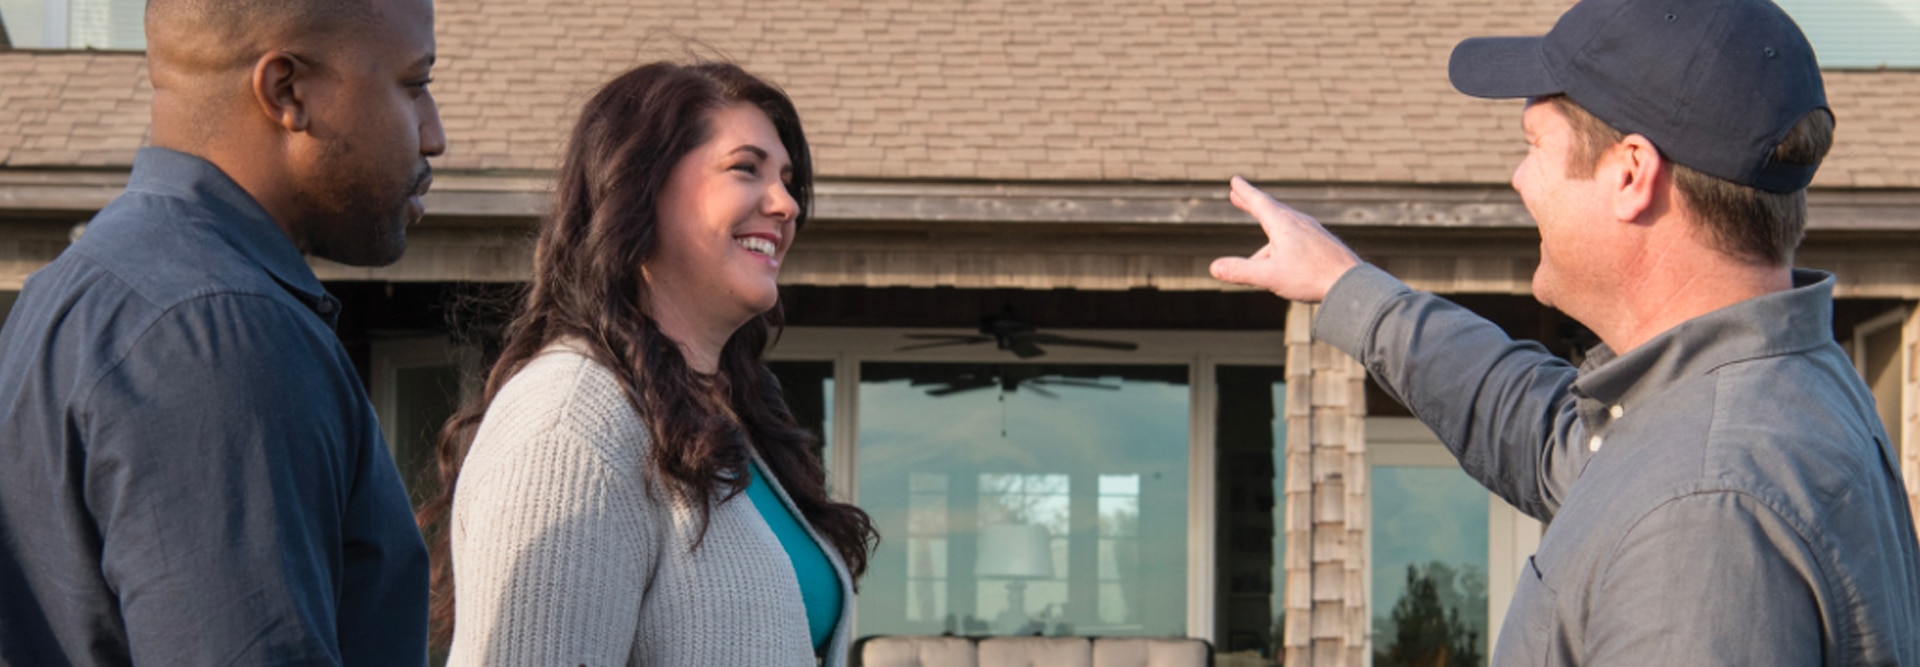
(106, 24)
(1029, 469)
(1119, 516)
(1250, 435)
(1860, 33)
(1113, 602)
(1118, 557)
(921, 482)
(6, 305)
(1429, 566)
(424, 397)
(927, 514)
(1120, 485)
(808, 388)
(927, 557)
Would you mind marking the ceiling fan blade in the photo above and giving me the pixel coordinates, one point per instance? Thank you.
(1036, 388)
(948, 341)
(932, 381)
(1051, 339)
(1024, 347)
(1083, 384)
(959, 387)
(1004, 324)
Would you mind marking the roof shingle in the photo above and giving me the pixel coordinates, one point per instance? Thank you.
(1156, 90)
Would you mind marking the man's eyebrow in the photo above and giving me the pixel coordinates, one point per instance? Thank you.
(425, 62)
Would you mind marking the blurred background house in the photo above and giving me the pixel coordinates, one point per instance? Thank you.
(1001, 316)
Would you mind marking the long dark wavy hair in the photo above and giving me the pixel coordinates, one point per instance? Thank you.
(587, 286)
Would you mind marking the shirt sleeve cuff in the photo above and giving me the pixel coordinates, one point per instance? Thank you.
(1354, 306)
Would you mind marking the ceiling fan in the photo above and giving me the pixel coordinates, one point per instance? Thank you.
(1012, 334)
(1010, 378)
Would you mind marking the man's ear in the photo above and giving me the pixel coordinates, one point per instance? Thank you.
(1636, 174)
(279, 85)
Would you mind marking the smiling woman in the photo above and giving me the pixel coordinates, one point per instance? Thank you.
(726, 221)
(632, 488)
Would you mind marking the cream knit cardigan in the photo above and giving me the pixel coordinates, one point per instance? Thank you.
(565, 554)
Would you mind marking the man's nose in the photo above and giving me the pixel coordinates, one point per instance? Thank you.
(433, 137)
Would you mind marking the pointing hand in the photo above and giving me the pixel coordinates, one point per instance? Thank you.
(1301, 260)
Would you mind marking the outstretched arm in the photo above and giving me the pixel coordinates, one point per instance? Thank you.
(1500, 405)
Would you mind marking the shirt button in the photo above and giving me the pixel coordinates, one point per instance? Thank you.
(325, 307)
(1593, 444)
(1616, 411)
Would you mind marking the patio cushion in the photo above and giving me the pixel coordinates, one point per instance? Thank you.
(916, 652)
(1036, 652)
(1149, 652)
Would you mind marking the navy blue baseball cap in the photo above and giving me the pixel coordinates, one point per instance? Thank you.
(1714, 84)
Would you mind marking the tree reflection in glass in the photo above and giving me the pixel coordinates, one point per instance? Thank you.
(1429, 567)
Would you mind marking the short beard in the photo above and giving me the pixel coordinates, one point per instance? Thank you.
(360, 235)
(358, 223)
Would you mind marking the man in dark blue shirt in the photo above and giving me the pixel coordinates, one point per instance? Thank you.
(190, 472)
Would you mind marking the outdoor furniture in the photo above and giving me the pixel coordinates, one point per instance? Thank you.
(942, 651)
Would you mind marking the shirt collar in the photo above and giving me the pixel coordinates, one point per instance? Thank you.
(235, 217)
(1786, 322)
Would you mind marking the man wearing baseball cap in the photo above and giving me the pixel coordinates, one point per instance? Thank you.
(1719, 487)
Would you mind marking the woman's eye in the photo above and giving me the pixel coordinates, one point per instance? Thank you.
(748, 168)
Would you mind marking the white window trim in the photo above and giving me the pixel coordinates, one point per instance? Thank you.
(1200, 351)
(1892, 319)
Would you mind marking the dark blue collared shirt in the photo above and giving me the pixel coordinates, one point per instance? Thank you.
(190, 472)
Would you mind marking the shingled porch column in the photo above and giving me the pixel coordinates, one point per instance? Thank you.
(1326, 495)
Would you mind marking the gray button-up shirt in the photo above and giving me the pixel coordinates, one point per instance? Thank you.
(190, 472)
(1723, 494)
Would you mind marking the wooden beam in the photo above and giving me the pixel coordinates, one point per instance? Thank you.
(522, 195)
(440, 253)
(1042, 236)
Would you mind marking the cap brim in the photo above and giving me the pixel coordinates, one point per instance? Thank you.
(1502, 67)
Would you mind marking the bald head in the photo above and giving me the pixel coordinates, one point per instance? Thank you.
(200, 53)
(204, 36)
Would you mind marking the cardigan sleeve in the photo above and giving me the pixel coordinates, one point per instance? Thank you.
(551, 514)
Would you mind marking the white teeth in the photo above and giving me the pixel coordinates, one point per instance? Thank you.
(755, 244)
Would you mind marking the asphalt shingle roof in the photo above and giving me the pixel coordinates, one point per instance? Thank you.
(1077, 90)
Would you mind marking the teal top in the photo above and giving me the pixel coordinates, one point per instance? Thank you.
(819, 584)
